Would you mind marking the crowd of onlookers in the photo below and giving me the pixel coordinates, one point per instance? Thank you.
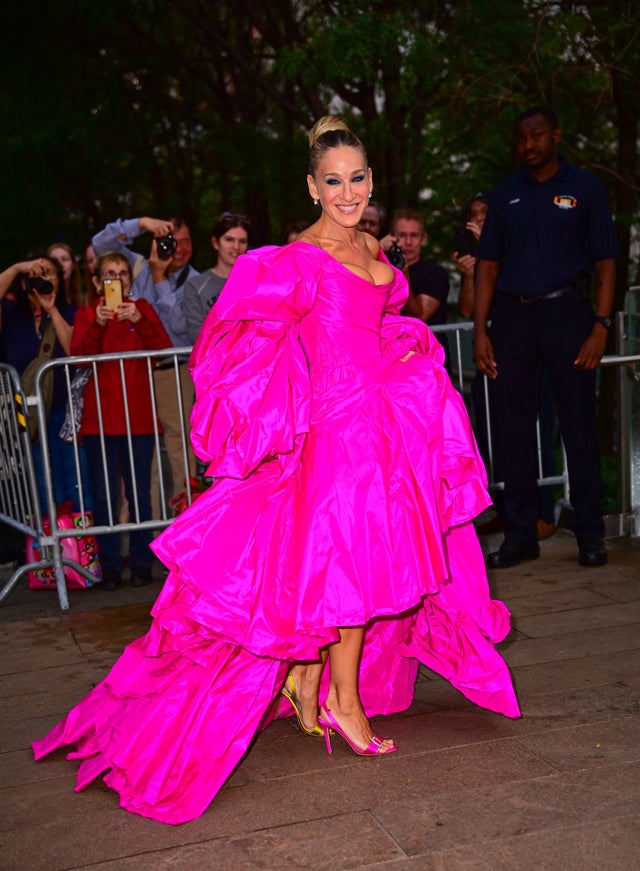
(120, 301)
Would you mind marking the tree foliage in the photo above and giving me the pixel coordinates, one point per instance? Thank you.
(126, 108)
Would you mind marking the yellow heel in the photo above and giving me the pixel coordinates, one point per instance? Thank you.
(289, 692)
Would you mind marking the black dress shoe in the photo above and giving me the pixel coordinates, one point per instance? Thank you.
(511, 553)
(592, 553)
(140, 576)
(111, 579)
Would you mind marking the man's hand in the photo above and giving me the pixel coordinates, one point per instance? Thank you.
(483, 354)
(592, 350)
(387, 242)
(156, 226)
(466, 264)
(157, 265)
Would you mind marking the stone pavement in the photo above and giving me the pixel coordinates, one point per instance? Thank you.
(557, 789)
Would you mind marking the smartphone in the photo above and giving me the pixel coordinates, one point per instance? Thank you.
(112, 293)
(465, 241)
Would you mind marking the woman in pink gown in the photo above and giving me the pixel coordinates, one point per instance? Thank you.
(339, 526)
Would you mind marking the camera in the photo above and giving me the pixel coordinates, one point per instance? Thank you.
(166, 247)
(395, 256)
(41, 285)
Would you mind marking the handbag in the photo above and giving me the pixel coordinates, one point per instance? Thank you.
(45, 352)
(75, 406)
(83, 550)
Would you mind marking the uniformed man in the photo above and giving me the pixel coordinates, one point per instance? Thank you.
(547, 236)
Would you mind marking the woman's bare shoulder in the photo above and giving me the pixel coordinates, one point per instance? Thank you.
(372, 244)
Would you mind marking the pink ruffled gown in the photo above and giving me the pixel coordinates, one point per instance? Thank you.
(346, 483)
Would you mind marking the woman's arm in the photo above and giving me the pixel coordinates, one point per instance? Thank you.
(63, 329)
(24, 267)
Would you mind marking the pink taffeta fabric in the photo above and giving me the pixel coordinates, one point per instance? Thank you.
(347, 477)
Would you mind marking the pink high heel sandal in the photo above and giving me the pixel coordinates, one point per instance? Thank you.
(327, 722)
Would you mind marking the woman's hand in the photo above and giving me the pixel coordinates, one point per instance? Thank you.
(33, 268)
(129, 311)
(46, 301)
(406, 356)
(104, 313)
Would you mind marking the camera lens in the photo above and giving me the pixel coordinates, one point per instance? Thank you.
(166, 247)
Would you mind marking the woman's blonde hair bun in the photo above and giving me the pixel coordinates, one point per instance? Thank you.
(328, 132)
(325, 125)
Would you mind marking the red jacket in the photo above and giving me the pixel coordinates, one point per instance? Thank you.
(90, 338)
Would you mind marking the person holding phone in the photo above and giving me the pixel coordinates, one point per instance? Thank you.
(118, 322)
(466, 239)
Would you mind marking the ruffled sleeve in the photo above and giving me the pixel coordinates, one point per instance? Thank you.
(249, 368)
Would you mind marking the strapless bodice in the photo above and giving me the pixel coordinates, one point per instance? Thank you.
(341, 333)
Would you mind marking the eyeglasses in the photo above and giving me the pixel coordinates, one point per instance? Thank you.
(235, 216)
(110, 274)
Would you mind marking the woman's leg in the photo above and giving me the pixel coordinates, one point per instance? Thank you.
(105, 496)
(306, 680)
(343, 698)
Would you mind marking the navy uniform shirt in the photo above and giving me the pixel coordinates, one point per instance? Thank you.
(543, 234)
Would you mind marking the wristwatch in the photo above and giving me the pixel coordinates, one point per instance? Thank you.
(601, 319)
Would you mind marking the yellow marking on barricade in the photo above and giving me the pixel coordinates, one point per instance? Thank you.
(20, 415)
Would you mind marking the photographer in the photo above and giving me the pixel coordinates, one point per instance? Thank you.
(428, 281)
(36, 322)
(160, 280)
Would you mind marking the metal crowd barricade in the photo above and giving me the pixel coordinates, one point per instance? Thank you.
(19, 501)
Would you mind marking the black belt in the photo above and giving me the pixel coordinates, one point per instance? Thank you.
(169, 365)
(567, 290)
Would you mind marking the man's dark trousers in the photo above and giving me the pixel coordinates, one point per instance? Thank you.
(526, 335)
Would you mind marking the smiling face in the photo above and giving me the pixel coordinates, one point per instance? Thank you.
(184, 248)
(342, 183)
(230, 245)
(536, 141)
